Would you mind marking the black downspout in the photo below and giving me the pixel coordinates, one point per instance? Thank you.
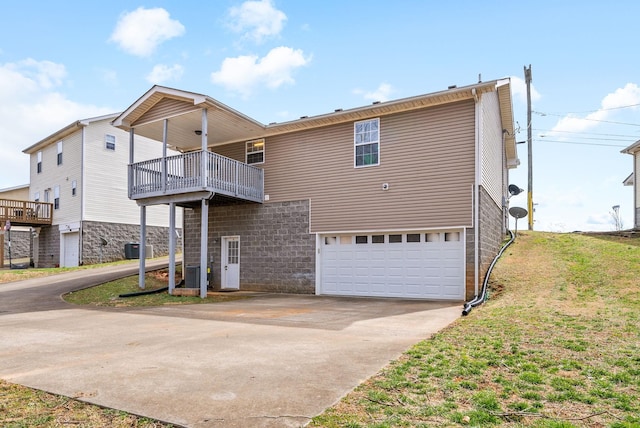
(479, 299)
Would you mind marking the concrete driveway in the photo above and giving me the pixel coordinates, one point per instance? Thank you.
(269, 361)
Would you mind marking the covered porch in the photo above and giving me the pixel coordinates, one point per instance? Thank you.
(189, 173)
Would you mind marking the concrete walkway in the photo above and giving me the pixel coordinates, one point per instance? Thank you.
(269, 361)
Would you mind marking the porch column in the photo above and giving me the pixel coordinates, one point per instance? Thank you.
(142, 245)
(165, 128)
(2, 247)
(204, 141)
(172, 247)
(204, 233)
(131, 158)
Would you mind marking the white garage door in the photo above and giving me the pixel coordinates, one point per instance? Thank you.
(420, 265)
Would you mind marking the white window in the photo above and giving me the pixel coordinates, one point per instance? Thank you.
(59, 152)
(255, 151)
(39, 165)
(47, 195)
(74, 186)
(36, 196)
(110, 142)
(56, 197)
(366, 138)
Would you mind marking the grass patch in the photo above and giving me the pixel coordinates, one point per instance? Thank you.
(557, 345)
(109, 294)
(22, 407)
(11, 275)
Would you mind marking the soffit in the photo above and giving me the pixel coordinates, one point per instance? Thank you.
(65, 132)
(506, 116)
(226, 125)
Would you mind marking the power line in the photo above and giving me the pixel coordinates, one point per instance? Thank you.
(600, 109)
(585, 118)
(587, 133)
(580, 143)
(595, 138)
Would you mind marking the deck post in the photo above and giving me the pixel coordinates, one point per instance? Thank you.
(172, 247)
(165, 133)
(204, 232)
(2, 248)
(131, 158)
(141, 245)
(203, 158)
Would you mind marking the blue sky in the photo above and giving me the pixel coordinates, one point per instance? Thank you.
(281, 59)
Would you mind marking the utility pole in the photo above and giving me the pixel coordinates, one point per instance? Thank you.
(527, 79)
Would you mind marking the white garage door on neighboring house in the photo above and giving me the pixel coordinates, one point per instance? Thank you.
(416, 265)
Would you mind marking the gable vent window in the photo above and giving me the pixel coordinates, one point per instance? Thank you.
(110, 142)
(255, 151)
(366, 138)
(59, 153)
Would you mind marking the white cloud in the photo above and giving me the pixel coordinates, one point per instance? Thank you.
(141, 31)
(627, 96)
(258, 20)
(162, 73)
(241, 74)
(382, 93)
(519, 90)
(32, 108)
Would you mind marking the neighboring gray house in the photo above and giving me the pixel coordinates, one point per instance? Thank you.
(405, 198)
(81, 170)
(634, 150)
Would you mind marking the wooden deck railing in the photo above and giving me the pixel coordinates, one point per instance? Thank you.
(25, 213)
(195, 172)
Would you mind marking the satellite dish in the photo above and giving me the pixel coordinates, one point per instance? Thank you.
(518, 212)
(514, 190)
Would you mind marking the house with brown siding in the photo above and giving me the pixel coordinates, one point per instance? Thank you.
(405, 198)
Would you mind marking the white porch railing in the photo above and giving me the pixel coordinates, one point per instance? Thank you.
(195, 172)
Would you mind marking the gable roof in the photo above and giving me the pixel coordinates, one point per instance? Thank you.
(632, 148)
(65, 132)
(226, 125)
(629, 181)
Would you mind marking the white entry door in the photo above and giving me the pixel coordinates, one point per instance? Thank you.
(230, 276)
(70, 243)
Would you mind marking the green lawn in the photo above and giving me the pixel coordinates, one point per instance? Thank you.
(557, 345)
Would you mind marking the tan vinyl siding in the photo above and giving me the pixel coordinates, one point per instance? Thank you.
(63, 175)
(166, 108)
(492, 153)
(106, 197)
(426, 157)
(21, 194)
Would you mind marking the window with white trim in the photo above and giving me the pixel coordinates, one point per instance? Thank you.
(36, 196)
(39, 164)
(56, 197)
(366, 140)
(255, 151)
(59, 158)
(74, 187)
(110, 142)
